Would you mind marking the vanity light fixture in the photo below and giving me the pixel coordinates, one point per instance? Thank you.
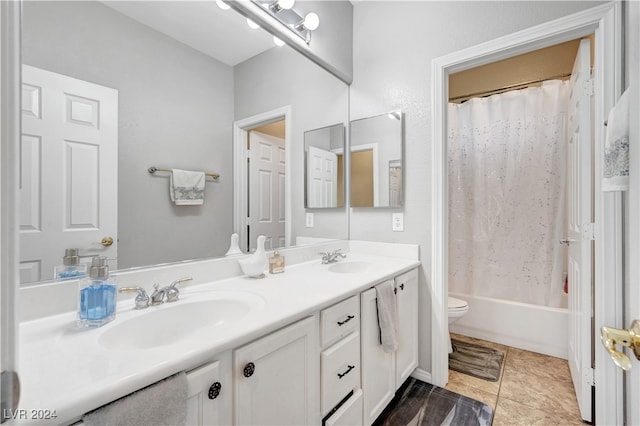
(278, 42)
(222, 5)
(252, 24)
(282, 11)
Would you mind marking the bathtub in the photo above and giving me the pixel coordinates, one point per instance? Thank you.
(531, 327)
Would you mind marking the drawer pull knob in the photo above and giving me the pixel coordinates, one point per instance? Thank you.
(249, 369)
(349, 318)
(341, 375)
(214, 390)
(402, 286)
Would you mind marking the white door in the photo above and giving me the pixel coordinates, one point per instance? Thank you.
(406, 288)
(210, 393)
(68, 171)
(580, 230)
(276, 377)
(322, 178)
(266, 190)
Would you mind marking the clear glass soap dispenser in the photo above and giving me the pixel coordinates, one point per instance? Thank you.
(98, 295)
(71, 267)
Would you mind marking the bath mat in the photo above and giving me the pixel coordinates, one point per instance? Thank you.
(476, 360)
(420, 404)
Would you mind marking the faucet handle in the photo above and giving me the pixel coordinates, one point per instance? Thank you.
(172, 291)
(142, 298)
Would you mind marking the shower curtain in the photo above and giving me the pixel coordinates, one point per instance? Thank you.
(506, 161)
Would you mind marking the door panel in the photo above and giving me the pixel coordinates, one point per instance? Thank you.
(68, 171)
(266, 190)
(580, 228)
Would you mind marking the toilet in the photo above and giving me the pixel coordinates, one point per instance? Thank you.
(456, 309)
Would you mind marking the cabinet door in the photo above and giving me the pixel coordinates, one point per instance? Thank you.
(407, 308)
(378, 367)
(210, 393)
(276, 378)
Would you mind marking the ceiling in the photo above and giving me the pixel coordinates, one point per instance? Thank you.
(202, 25)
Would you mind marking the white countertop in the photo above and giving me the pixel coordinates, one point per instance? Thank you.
(70, 371)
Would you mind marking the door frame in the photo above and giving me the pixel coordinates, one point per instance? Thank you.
(241, 130)
(606, 22)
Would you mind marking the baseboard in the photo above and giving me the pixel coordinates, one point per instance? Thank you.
(422, 375)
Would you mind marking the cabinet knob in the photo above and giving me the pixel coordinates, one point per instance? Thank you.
(249, 369)
(214, 390)
(402, 286)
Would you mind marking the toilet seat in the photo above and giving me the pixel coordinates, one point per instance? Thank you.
(457, 305)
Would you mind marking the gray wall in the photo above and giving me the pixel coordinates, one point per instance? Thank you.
(394, 44)
(281, 77)
(175, 111)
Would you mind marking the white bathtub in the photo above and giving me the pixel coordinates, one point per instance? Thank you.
(520, 325)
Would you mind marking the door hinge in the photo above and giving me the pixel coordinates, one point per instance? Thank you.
(589, 375)
(589, 87)
(589, 231)
(248, 221)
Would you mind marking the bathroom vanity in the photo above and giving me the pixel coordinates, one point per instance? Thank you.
(293, 348)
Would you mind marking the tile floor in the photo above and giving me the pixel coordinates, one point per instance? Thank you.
(533, 389)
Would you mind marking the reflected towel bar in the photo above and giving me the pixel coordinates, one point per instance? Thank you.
(154, 169)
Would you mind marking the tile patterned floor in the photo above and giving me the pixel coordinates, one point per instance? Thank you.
(533, 389)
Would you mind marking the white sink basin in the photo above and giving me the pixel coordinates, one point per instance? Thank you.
(354, 267)
(170, 323)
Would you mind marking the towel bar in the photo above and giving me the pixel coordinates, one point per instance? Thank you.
(154, 169)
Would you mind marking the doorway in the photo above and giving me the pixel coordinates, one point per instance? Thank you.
(605, 22)
(261, 205)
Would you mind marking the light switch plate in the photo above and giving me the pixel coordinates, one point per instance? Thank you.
(397, 222)
(309, 220)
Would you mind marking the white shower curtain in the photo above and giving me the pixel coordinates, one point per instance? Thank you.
(507, 158)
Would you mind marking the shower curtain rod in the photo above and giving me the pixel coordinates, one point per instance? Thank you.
(507, 88)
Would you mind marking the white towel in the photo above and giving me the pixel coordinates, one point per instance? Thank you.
(616, 150)
(163, 403)
(387, 317)
(186, 188)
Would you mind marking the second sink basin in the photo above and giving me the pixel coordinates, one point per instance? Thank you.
(172, 322)
(354, 267)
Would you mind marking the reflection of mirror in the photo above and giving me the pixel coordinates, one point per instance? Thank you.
(324, 167)
(175, 107)
(376, 161)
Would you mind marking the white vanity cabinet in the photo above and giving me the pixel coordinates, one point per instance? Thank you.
(382, 372)
(210, 393)
(340, 393)
(276, 377)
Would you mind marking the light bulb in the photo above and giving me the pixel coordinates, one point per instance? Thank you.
(311, 21)
(278, 42)
(222, 5)
(286, 4)
(252, 24)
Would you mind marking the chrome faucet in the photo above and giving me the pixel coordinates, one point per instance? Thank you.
(170, 292)
(332, 256)
(142, 298)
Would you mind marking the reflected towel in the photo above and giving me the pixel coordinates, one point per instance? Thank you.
(387, 317)
(616, 150)
(186, 188)
(163, 403)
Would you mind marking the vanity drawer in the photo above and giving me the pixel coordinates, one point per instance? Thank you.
(340, 371)
(339, 320)
(349, 414)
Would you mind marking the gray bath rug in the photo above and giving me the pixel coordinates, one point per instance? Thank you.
(420, 404)
(476, 360)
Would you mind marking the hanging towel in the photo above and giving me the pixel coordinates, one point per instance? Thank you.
(186, 188)
(163, 403)
(616, 150)
(387, 317)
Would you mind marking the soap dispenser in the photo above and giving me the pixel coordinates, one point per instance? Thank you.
(97, 300)
(71, 267)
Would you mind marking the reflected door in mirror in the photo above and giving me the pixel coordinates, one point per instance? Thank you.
(68, 171)
(324, 167)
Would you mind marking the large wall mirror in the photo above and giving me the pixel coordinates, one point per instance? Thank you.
(136, 84)
(324, 167)
(376, 161)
